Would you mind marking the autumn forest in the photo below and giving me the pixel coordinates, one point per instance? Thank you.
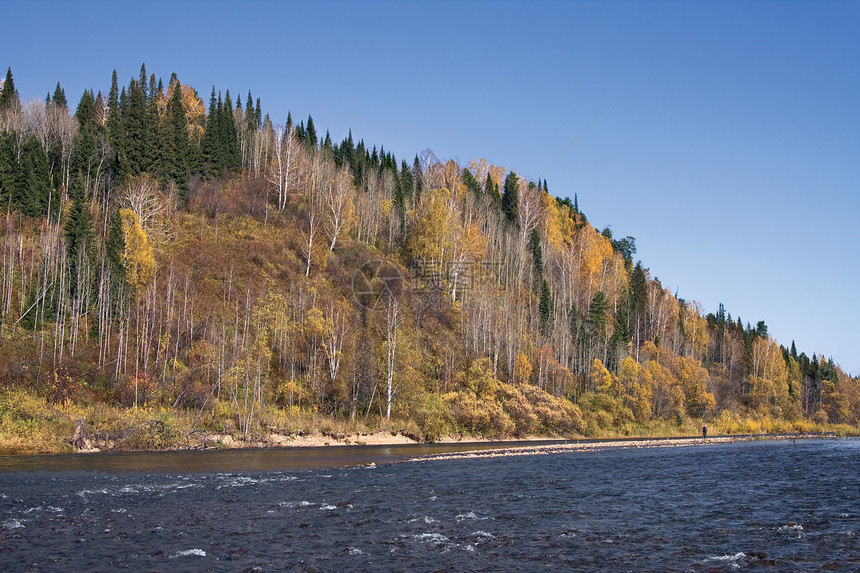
(174, 265)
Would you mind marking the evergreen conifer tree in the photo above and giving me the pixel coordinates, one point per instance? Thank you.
(84, 156)
(417, 177)
(311, 134)
(114, 129)
(78, 232)
(511, 196)
(135, 127)
(537, 253)
(33, 182)
(9, 95)
(176, 141)
(545, 308)
(471, 183)
(231, 153)
(59, 98)
(250, 118)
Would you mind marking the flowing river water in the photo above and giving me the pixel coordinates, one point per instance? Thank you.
(744, 506)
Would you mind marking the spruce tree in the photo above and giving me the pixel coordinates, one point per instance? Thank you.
(8, 171)
(311, 134)
(115, 254)
(9, 95)
(141, 81)
(211, 136)
(545, 308)
(135, 126)
(33, 181)
(59, 98)
(511, 196)
(596, 318)
(471, 183)
(78, 232)
(417, 177)
(84, 156)
(151, 119)
(176, 141)
(251, 122)
(230, 149)
(115, 130)
(537, 252)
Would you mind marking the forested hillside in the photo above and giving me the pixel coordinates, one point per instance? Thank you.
(196, 260)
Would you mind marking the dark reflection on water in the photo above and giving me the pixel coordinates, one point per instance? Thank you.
(262, 459)
(773, 506)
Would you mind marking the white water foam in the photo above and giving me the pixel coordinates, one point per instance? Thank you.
(292, 504)
(431, 538)
(470, 515)
(12, 524)
(796, 529)
(426, 519)
(189, 553)
(731, 560)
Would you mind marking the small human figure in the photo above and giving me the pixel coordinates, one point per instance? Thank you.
(704, 432)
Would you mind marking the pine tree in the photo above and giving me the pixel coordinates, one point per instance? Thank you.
(545, 308)
(311, 134)
(78, 232)
(33, 193)
(537, 252)
(135, 124)
(59, 98)
(212, 164)
(510, 196)
(417, 177)
(114, 129)
(8, 169)
(596, 319)
(250, 118)
(638, 304)
(471, 183)
(9, 95)
(176, 140)
(84, 156)
(230, 150)
(151, 119)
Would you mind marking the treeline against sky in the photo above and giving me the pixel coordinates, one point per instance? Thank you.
(158, 249)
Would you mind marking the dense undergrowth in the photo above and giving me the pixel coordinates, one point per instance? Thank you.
(30, 424)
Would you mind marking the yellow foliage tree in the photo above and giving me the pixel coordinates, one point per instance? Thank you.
(602, 379)
(668, 394)
(693, 378)
(138, 256)
(192, 105)
(522, 369)
(551, 223)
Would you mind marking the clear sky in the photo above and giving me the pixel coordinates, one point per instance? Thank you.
(723, 135)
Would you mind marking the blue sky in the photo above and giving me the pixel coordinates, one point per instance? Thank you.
(724, 135)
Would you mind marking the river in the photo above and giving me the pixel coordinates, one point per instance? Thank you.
(744, 506)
